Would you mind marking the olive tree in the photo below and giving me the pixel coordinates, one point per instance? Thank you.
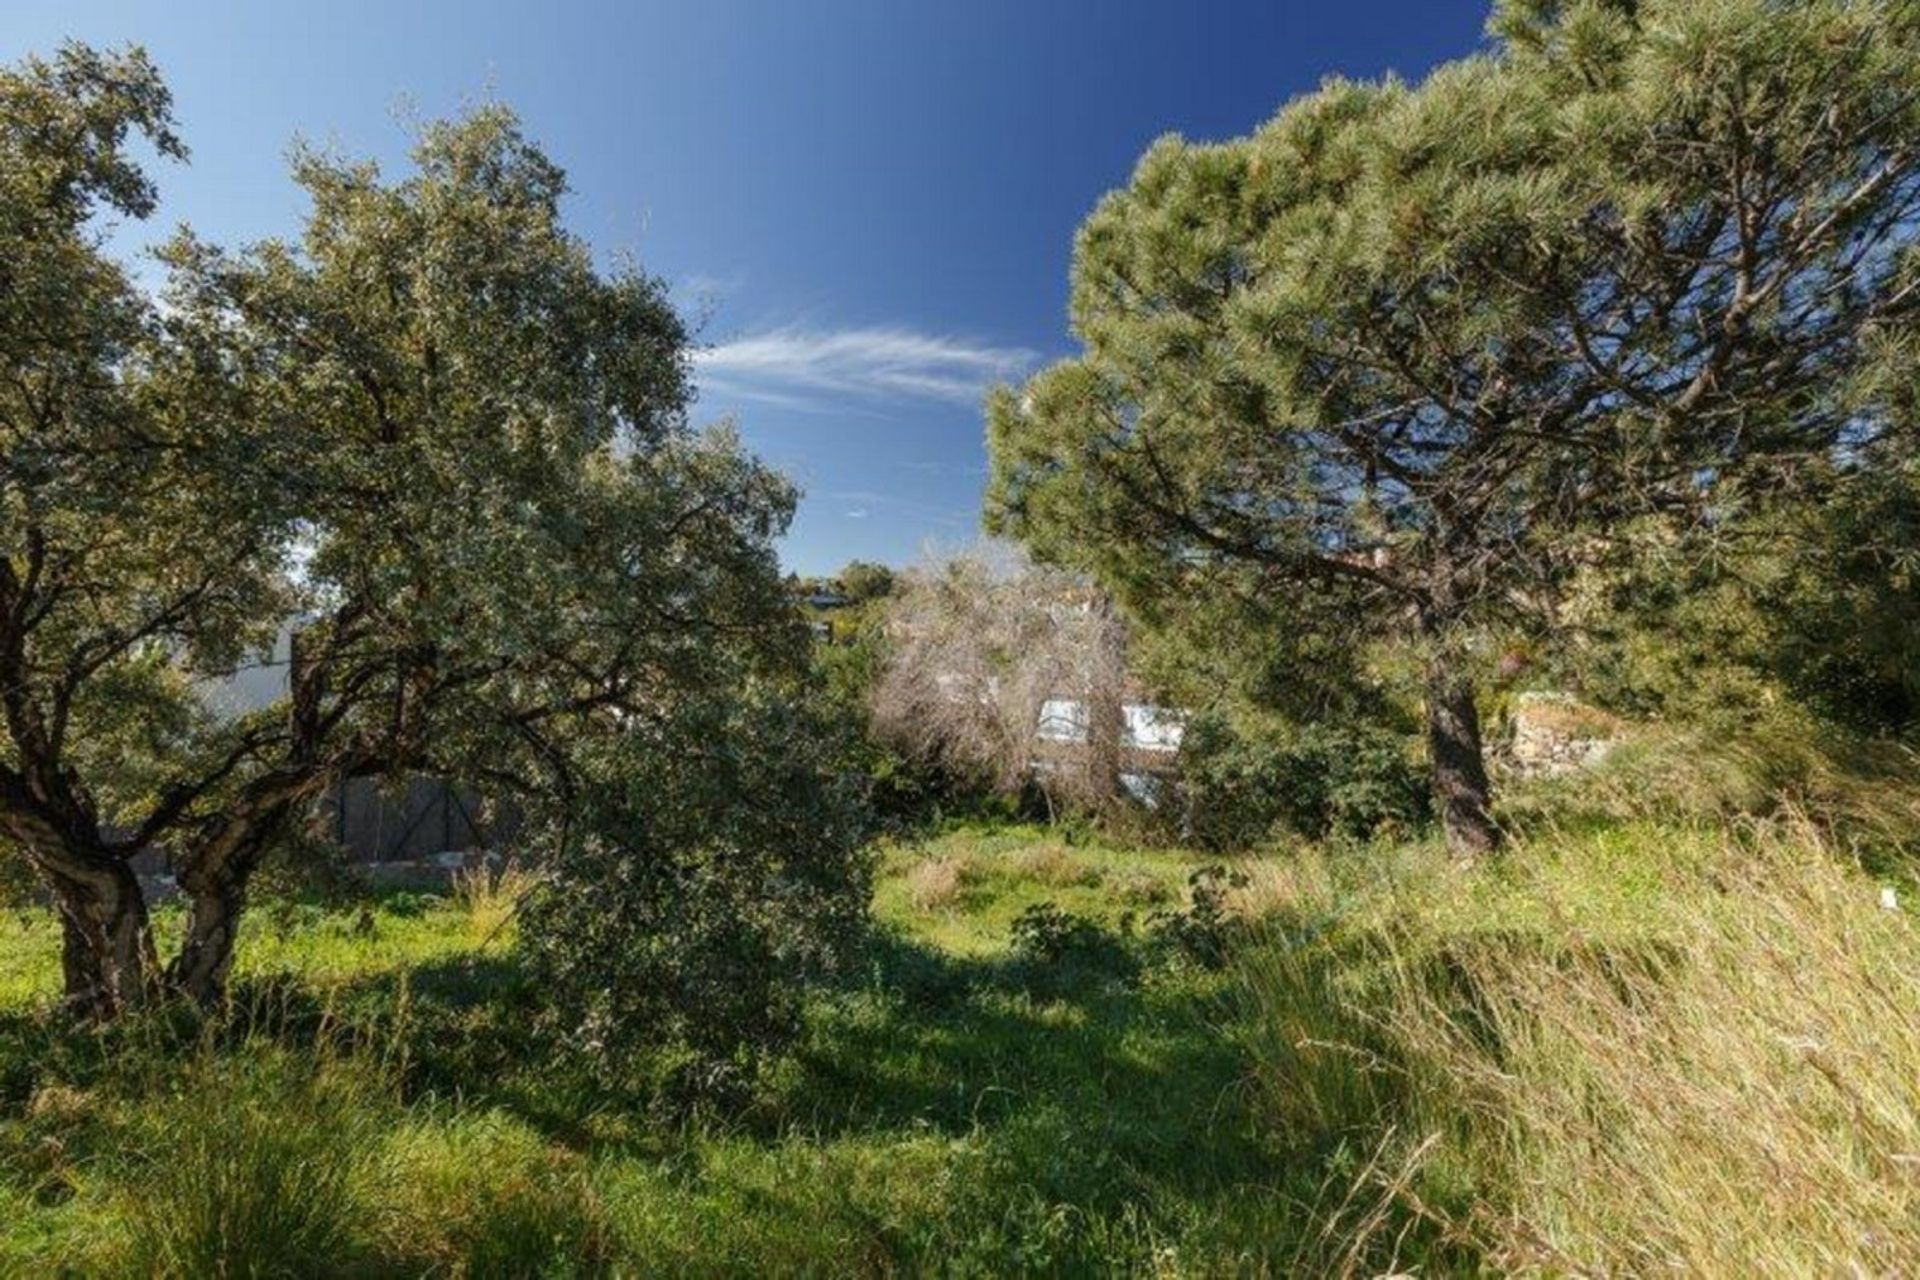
(1390, 363)
(124, 568)
(709, 864)
(431, 439)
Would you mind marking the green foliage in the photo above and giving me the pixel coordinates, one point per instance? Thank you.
(125, 560)
(863, 580)
(905, 793)
(708, 868)
(431, 429)
(253, 1171)
(1807, 597)
(1243, 785)
(1389, 366)
(1206, 931)
(483, 1193)
(1044, 935)
(1847, 612)
(1403, 1066)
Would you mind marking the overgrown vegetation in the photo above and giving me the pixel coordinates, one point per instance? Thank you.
(1566, 396)
(1659, 1047)
(1644, 1042)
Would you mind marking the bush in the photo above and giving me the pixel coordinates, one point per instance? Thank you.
(1055, 948)
(1046, 934)
(1206, 930)
(1242, 786)
(713, 866)
(904, 792)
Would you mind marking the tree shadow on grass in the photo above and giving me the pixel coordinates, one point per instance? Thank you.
(1106, 1097)
(1098, 1083)
(1127, 1074)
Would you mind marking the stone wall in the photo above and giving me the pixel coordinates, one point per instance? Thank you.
(1554, 733)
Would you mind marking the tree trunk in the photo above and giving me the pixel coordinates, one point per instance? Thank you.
(107, 953)
(1104, 687)
(214, 871)
(199, 971)
(1459, 761)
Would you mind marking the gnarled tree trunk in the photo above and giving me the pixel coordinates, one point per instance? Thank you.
(200, 970)
(214, 870)
(1458, 760)
(107, 955)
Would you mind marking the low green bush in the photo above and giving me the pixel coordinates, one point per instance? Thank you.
(710, 867)
(1243, 786)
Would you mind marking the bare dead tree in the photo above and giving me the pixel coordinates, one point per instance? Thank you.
(1008, 672)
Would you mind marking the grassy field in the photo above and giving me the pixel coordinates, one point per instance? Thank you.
(1629, 1046)
(949, 1109)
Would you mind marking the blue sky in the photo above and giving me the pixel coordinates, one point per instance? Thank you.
(867, 204)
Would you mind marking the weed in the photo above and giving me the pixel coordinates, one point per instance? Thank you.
(936, 884)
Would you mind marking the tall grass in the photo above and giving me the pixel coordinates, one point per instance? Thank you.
(491, 896)
(1637, 1043)
(260, 1160)
(251, 1169)
(1666, 1049)
(1863, 794)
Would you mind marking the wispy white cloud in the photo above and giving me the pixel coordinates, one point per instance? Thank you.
(963, 470)
(861, 503)
(811, 368)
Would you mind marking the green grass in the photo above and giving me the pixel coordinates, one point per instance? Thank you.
(1633, 1044)
(1657, 1047)
(1008, 869)
(946, 1111)
(320, 947)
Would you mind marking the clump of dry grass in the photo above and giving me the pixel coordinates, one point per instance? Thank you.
(1726, 1090)
(937, 884)
(1139, 887)
(1053, 864)
(491, 893)
(1566, 717)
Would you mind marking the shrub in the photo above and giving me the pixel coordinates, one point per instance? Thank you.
(712, 867)
(1242, 785)
(1863, 795)
(1055, 948)
(1205, 931)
